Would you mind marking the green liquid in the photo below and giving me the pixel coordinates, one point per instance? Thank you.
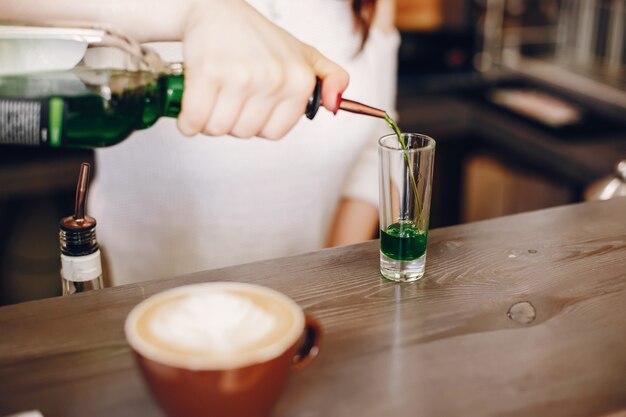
(403, 241)
(84, 108)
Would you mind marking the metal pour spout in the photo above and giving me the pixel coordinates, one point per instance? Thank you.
(351, 106)
(81, 192)
(80, 220)
(360, 108)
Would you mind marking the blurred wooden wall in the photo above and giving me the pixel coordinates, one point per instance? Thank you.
(494, 188)
(419, 15)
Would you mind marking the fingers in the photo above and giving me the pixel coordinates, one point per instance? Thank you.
(283, 119)
(334, 79)
(245, 106)
(272, 117)
(229, 104)
(213, 101)
(276, 104)
(257, 110)
(254, 115)
(245, 76)
(198, 103)
(298, 87)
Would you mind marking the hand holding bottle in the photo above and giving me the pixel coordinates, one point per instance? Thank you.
(244, 75)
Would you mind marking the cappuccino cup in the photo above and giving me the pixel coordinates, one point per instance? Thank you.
(220, 349)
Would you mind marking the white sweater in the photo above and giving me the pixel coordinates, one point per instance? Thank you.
(168, 205)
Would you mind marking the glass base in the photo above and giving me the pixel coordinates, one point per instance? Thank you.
(402, 271)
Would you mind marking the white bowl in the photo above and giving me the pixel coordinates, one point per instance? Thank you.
(34, 55)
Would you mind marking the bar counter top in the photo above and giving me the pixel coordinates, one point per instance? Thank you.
(522, 315)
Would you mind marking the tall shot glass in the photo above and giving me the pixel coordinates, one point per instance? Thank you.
(405, 174)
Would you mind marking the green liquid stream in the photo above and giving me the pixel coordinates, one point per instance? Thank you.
(394, 126)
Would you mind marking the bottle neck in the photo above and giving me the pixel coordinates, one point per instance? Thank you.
(173, 86)
(163, 99)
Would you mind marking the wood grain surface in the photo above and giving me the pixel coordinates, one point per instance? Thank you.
(518, 316)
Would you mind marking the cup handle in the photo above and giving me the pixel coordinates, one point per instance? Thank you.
(309, 347)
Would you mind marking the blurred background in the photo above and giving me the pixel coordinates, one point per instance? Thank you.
(526, 99)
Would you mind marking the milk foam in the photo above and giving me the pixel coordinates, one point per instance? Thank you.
(218, 322)
(214, 325)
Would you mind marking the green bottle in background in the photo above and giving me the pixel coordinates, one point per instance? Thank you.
(84, 108)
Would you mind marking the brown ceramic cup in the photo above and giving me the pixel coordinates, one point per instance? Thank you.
(188, 378)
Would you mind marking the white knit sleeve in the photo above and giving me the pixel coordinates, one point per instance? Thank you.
(381, 52)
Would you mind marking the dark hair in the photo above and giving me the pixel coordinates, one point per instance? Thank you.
(363, 11)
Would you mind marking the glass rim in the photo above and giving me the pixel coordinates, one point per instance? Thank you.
(430, 142)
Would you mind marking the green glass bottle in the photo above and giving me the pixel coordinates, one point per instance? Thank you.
(84, 108)
(91, 108)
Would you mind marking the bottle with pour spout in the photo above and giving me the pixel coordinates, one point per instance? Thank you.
(84, 107)
(81, 265)
(92, 108)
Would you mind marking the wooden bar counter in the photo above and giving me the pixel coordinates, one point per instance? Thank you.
(518, 316)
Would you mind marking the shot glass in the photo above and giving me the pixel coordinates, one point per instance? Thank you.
(405, 174)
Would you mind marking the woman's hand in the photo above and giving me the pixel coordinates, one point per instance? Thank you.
(245, 76)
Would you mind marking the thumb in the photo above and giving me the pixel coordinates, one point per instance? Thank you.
(334, 79)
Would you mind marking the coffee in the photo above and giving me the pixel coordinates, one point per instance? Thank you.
(220, 349)
(214, 326)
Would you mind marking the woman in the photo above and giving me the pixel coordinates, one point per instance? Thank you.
(167, 206)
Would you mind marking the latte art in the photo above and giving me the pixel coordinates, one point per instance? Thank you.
(214, 325)
(212, 322)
